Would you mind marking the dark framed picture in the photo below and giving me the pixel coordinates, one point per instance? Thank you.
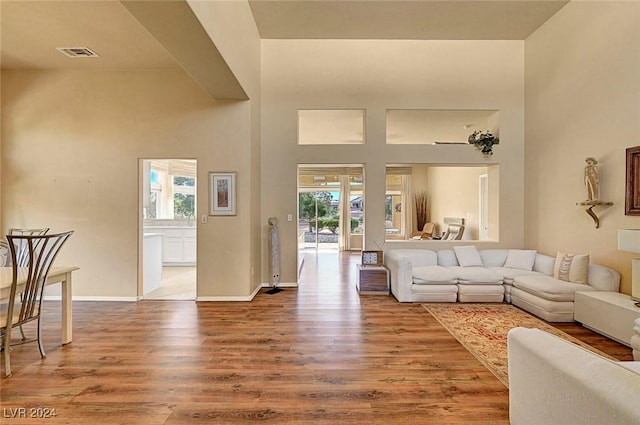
(371, 258)
(632, 193)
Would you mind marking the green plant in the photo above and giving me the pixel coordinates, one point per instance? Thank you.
(483, 140)
(332, 223)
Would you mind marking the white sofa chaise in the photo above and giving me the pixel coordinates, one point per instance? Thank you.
(552, 381)
(424, 275)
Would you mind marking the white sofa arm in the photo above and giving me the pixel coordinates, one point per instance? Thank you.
(603, 278)
(400, 273)
(552, 381)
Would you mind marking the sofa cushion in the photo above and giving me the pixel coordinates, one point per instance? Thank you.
(509, 274)
(493, 257)
(571, 267)
(549, 288)
(446, 257)
(551, 311)
(480, 293)
(468, 256)
(420, 257)
(433, 275)
(544, 264)
(521, 259)
(477, 275)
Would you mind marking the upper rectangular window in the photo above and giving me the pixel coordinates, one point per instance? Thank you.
(330, 126)
(433, 126)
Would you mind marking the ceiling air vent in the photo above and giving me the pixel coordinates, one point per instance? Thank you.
(78, 52)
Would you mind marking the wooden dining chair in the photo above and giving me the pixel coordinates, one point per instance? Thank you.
(25, 298)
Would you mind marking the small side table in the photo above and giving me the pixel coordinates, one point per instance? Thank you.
(609, 313)
(373, 280)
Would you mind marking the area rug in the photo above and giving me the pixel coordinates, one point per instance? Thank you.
(482, 329)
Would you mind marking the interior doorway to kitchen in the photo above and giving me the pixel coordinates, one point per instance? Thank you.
(169, 228)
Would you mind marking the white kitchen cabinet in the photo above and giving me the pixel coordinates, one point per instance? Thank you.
(189, 249)
(152, 264)
(178, 245)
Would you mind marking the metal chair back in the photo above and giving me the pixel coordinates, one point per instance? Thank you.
(25, 298)
(22, 257)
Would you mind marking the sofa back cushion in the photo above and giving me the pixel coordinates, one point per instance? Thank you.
(468, 256)
(522, 259)
(544, 264)
(494, 257)
(420, 257)
(447, 258)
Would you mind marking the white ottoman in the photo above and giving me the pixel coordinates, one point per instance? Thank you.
(635, 340)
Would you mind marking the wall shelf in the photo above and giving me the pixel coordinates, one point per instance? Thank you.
(589, 210)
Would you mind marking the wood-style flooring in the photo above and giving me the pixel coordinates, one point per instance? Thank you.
(319, 354)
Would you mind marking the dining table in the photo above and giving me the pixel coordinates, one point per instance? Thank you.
(60, 274)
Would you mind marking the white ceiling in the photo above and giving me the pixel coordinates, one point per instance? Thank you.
(31, 30)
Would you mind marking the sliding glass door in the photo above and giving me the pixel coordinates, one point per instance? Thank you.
(330, 208)
(318, 219)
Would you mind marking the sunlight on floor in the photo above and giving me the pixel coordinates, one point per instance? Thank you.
(178, 283)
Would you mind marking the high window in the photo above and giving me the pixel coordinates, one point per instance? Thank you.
(331, 126)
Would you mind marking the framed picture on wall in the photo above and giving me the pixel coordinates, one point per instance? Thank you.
(632, 193)
(222, 193)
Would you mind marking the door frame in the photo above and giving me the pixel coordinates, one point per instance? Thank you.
(140, 215)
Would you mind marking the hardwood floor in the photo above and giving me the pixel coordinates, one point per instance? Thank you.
(319, 354)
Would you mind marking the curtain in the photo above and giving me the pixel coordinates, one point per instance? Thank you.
(344, 235)
(407, 207)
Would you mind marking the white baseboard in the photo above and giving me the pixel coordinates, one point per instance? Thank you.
(214, 298)
(231, 298)
(281, 285)
(91, 298)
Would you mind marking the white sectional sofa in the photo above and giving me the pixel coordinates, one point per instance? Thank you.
(521, 277)
(635, 340)
(552, 382)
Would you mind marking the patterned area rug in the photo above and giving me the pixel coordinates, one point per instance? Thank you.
(482, 329)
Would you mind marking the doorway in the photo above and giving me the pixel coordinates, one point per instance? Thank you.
(318, 219)
(330, 210)
(483, 220)
(168, 229)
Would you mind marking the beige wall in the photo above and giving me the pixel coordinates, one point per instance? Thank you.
(582, 99)
(378, 75)
(454, 192)
(70, 151)
(71, 144)
(231, 26)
